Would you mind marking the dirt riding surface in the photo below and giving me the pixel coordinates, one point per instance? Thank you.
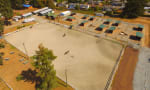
(88, 60)
(123, 79)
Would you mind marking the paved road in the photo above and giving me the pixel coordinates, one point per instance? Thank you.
(142, 74)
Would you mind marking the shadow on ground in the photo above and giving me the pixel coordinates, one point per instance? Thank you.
(31, 76)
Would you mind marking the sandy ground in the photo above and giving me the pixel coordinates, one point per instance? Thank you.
(13, 67)
(3, 86)
(89, 61)
(141, 20)
(142, 72)
(123, 79)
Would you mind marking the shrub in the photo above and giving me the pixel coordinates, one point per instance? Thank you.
(2, 45)
(19, 77)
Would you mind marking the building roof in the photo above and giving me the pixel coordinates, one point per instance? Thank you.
(112, 28)
(70, 17)
(39, 10)
(51, 15)
(27, 14)
(140, 26)
(26, 5)
(102, 26)
(84, 6)
(86, 15)
(84, 21)
(139, 34)
(118, 22)
(46, 11)
(92, 17)
(108, 20)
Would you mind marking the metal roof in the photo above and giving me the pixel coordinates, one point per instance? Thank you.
(139, 34)
(46, 11)
(118, 22)
(92, 17)
(112, 28)
(39, 10)
(84, 21)
(108, 20)
(51, 14)
(86, 15)
(70, 17)
(27, 14)
(102, 26)
(140, 26)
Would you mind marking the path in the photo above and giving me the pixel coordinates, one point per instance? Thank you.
(142, 72)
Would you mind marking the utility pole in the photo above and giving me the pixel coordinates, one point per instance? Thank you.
(25, 50)
(66, 77)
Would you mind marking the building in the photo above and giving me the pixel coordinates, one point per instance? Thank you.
(39, 10)
(27, 15)
(84, 6)
(65, 13)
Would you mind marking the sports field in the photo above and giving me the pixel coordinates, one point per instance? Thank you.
(88, 61)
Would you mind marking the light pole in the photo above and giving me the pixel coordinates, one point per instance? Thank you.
(25, 50)
(66, 77)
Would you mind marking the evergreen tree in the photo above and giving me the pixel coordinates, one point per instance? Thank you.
(5, 9)
(1, 58)
(133, 8)
(77, 7)
(37, 3)
(50, 4)
(45, 68)
(17, 4)
(1, 27)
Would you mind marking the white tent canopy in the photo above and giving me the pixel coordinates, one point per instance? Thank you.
(65, 13)
(28, 20)
(40, 10)
(46, 11)
(27, 14)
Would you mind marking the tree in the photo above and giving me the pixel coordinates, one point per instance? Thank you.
(77, 7)
(50, 4)
(5, 9)
(37, 3)
(1, 58)
(133, 8)
(17, 4)
(45, 68)
(96, 8)
(1, 27)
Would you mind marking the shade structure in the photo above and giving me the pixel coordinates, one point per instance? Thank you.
(102, 26)
(86, 15)
(108, 20)
(140, 26)
(84, 22)
(112, 28)
(118, 22)
(70, 17)
(139, 34)
(51, 15)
